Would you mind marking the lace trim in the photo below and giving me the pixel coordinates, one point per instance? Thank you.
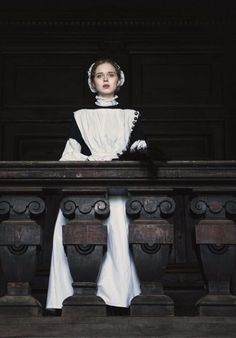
(103, 102)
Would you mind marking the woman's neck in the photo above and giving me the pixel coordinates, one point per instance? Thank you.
(105, 101)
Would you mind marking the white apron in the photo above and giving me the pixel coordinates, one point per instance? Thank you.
(106, 132)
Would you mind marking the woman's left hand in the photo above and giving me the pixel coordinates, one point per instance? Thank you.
(140, 146)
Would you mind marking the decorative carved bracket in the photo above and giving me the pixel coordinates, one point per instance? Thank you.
(19, 237)
(21, 206)
(150, 207)
(85, 207)
(214, 206)
(84, 236)
(151, 236)
(216, 240)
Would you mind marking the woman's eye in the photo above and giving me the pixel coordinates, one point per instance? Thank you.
(98, 76)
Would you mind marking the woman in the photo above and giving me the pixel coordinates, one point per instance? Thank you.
(102, 134)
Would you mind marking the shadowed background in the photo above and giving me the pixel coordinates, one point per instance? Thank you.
(178, 58)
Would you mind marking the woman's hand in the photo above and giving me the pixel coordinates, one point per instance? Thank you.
(140, 146)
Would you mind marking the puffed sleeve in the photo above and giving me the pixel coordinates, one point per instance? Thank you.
(76, 135)
(75, 149)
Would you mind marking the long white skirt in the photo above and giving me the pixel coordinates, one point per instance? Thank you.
(118, 282)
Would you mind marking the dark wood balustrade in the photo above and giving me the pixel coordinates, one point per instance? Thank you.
(182, 232)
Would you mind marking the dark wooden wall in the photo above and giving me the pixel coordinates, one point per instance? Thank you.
(178, 57)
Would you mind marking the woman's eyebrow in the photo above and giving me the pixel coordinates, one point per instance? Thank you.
(111, 72)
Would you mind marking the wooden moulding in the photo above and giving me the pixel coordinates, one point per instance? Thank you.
(84, 233)
(159, 231)
(216, 232)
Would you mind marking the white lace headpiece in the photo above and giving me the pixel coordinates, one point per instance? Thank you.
(91, 86)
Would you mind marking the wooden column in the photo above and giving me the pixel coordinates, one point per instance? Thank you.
(216, 242)
(151, 236)
(20, 236)
(85, 238)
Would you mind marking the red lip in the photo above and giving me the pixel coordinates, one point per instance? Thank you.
(106, 86)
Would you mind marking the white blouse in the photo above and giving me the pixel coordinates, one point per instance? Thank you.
(106, 132)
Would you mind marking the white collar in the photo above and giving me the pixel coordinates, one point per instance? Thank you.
(103, 102)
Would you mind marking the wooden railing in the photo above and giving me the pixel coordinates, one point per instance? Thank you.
(182, 231)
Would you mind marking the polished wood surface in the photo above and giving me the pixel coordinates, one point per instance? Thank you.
(185, 182)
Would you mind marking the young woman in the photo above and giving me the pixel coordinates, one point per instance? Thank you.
(104, 133)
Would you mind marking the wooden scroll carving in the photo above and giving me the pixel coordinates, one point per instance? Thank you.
(216, 242)
(151, 236)
(85, 238)
(20, 237)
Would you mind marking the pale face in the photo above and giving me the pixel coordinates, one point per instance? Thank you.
(106, 80)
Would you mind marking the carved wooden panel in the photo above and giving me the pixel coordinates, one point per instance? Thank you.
(186, 140)
(1, 144)
(41, 79)
(34, 141)
(1, 79)
(177, 78)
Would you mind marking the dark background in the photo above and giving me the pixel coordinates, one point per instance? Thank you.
(178, 57)
(179, 60)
